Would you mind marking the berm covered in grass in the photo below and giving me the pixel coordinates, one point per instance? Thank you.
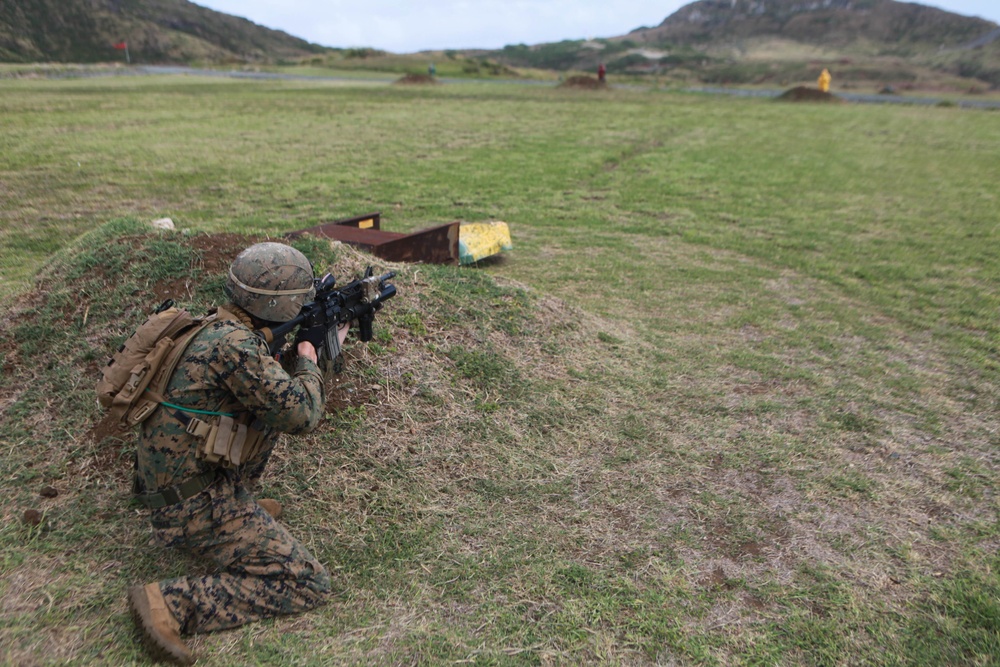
(484, 488)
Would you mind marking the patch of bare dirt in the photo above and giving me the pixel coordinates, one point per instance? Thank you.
(216, 252)
(584, 82)
(717, 579)
(417, 79)
(807, 94)
(219, 250)
(342, 392)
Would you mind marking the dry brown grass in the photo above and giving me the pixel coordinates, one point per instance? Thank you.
(461, 503)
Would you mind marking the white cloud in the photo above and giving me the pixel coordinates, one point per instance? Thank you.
(417, 25)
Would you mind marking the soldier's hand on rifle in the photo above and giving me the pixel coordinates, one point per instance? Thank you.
(314, 335)
(307, 350)
(308, 341)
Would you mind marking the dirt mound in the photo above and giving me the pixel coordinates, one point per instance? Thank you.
(807, 94)
(585, 82)
(215, 253)
(417, 79)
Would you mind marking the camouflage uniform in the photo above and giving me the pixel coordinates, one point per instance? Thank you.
(263, 570)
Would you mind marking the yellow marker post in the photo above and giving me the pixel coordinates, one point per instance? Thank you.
(824, 81)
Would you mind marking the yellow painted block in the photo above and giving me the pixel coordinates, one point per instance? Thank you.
(479, 240)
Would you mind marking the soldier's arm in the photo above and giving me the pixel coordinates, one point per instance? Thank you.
(289, 403)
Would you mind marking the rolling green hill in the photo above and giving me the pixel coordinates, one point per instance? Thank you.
(867, 42)
(881, 27)
(159, 31)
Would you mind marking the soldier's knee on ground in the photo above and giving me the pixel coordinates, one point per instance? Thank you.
(319, 585)
(321, 581)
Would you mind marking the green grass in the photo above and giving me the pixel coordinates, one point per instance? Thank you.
(731, 399)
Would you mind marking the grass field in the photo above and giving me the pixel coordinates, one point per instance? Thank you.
(731, 400)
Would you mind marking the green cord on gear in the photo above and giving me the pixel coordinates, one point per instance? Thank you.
(197, 412)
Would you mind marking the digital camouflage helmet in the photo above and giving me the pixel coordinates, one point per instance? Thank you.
(271, 281)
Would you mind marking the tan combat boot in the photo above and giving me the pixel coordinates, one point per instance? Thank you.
(160, 630)
(271, 506)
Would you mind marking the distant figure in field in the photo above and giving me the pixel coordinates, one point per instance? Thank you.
(601, 71)
(824, 81)
(431, 70)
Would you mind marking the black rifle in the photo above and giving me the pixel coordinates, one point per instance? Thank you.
(358, 300)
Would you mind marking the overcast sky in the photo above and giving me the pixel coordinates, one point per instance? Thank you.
(405, 26)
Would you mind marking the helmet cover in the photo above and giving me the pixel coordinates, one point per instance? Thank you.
(271, 281)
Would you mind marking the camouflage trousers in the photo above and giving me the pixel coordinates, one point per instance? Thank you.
(262, 570)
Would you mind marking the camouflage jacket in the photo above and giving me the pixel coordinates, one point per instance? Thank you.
(226, 368)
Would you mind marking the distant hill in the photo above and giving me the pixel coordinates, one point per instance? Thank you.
(156, 31)
(881, 26)
(760, 41)
(881, 44)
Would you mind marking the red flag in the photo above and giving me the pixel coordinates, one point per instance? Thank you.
(121, 46)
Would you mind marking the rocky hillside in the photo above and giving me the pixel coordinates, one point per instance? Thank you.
(879, 26)
(871, 43)
(156, 31)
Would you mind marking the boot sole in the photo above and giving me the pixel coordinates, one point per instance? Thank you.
(156, 650)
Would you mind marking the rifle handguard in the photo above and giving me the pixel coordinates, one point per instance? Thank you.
(320, 319)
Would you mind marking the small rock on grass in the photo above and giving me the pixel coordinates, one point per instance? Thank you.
(32, 517)
(48, 492)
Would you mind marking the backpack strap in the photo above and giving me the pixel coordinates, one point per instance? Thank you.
(152, 394)
(159, 383)
(181, 320)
